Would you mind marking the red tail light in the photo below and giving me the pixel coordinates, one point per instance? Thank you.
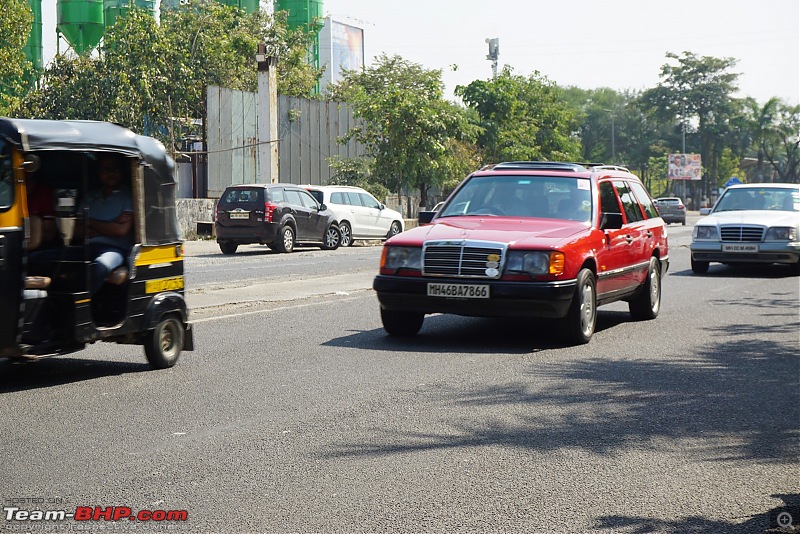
(269, 208)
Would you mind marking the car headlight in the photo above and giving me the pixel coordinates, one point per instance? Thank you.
(395, 258)
(534, 263)
(705, 232)
(781, 233)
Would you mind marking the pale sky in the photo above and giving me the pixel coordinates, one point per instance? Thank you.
(587, 43)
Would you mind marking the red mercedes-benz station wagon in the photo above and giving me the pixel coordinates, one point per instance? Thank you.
(529, 239)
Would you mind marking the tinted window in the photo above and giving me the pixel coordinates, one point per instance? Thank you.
(608, 200)
(244, 195)
(6, 177)
(368, 201)
(645, 200)
(629, 203)
(338, 198)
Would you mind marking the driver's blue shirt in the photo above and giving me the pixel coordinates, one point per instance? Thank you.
(108, 208)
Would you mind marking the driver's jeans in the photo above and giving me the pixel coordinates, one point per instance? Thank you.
(106, 258)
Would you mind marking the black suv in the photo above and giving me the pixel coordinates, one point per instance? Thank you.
(277, 215)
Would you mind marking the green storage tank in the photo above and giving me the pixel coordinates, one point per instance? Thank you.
(301, 12)
(81, 23)
(112, 9)
(33, 48)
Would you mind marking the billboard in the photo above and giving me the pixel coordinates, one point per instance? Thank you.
(341, 46)
(684, 167)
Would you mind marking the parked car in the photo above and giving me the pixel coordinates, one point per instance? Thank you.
(671, 209)
(278, 215)
(750, 223)
(529, 239)
(359, 214)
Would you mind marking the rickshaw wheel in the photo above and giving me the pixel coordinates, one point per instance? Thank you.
(164, 343)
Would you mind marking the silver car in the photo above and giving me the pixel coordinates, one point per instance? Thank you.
(671, 209)
(750, 223)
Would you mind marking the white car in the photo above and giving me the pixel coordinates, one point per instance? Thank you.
(750, 223)
(359, 214)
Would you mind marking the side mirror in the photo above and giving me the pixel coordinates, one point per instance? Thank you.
(381, 207)
(610, 221)
(705, 211)
(322, 207)
(425, 217)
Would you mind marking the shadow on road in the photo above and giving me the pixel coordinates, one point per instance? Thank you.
(21, 375)
(449, 333)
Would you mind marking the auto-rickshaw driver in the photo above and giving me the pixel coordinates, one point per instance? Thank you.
(116, 272)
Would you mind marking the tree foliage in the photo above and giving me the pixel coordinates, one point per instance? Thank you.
(412, 135)
(15, 24)
(522, 118)
(151, 77)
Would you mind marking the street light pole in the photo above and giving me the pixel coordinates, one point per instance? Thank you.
(613, 140)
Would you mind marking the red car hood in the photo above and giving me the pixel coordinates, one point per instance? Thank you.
(518, 233)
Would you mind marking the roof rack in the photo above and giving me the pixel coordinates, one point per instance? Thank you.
(540, 165)
(603, 167)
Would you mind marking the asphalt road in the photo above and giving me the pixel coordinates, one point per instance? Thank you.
(300, 415)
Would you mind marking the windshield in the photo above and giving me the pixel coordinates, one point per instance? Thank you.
(760, 198)
(6, 177)
(550, 197)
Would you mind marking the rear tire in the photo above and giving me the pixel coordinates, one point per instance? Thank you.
(394, 229)
(332, 238)
(647, 303)
(164, 343)
(401, 323)
(582, 316)
(228, 247)
(347, 234)
(285, 242)
(699, 267)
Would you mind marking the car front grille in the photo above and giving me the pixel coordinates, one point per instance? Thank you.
(742, 233)
(463, 259)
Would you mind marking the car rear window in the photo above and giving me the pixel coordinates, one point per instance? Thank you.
(669, 201)
(238, 195)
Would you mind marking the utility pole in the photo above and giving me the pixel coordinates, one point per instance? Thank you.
(613, 137)
(494, 54)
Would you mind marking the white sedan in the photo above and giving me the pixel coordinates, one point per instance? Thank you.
(750, 223)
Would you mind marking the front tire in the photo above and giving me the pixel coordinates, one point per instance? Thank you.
(699, 267)
(285, 242)
(332, 238)
(401, 323)
(228, 247)
(164, 343)
(647, 303)
(347, 234)
(582, 316)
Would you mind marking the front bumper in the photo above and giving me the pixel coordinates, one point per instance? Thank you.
(506, 299)
(788, 253)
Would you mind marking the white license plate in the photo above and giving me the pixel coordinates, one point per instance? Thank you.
(239, 215)
(739, 247)
(459, 291)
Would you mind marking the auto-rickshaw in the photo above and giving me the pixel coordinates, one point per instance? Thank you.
(46, 306)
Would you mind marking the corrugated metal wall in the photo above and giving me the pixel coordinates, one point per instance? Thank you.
(307, 130)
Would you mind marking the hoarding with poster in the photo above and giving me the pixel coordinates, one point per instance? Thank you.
(341, 46)
(684, 167)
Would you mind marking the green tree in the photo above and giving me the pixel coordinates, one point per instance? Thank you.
(151, 77)
(701, 89)
(522, 118)
(775, 129)
(15, 24)
(411, 133)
